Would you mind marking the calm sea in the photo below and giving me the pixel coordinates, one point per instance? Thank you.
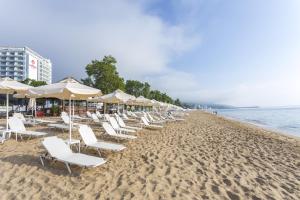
(285, 120)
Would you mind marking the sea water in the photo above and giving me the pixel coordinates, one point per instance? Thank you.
(285, 120)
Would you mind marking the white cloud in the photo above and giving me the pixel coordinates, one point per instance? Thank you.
(72, 34)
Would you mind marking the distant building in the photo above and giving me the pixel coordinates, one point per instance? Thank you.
(20, 63)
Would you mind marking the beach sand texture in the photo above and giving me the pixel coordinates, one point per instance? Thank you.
(204, 157)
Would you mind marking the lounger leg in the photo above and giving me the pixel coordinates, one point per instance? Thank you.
(99, 152)
(68, 167)
(42, 161)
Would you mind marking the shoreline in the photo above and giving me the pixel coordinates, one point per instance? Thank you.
(204, 157)
(264, 128)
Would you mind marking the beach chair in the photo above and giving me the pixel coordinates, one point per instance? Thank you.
(174, 118)
(117, 128)
(151, 119)
(3, 137)
(89, 114)
(99, 115)
(110, 131)
(66, 119)
(17, 127)
(65, 125)
(123, 125)
(24, 120)
(95, 118)
(106, 117)
(77, 117)
(58, 150)
(125, 117)
(91, 141)
(151, 126)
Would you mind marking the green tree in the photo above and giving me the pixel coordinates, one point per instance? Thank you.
(103, 75)
(33, 82)
(155, 94)
(177, 102)
(146, 90)
(134, 87)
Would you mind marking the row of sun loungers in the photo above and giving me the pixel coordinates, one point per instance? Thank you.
(114, 126)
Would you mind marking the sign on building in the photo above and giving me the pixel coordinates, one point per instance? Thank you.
(32, 67)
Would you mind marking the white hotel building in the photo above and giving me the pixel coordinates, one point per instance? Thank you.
(20, 63)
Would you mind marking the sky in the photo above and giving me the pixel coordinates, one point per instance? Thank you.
(240, 53)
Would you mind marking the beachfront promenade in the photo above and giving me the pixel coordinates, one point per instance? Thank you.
(203, 157)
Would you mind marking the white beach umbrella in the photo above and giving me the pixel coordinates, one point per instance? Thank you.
(142, 101)
(68, 89)
(10, 86)
(118, 96)
(155, 103)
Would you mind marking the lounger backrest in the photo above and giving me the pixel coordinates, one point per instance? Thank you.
(88, 113)
(106, 116)
(146, 118)
(114, 123)
(65, 118)
(56, 147)
(64, 113)
(95, 118)
(120, 121)
(20, 116)
(87, 134)
(108, 129)
(133, 114)
(16, 124)
(117, 117)
(98, 114)
(125, 116)
(144, 121)
(150, 117)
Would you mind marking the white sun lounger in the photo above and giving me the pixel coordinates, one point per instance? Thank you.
(90, 140)
(63, 126)
(66, 119)
(99, 115)
(16, 126)
(3, 137)
(95, 118)
(153, 120)
(176, 119)
(123, 125)
(117, 128)
(25, 122)
(59, 150)
(60, 126)
(106, 117)
(89, 114)
(147, 125)
(110, 131)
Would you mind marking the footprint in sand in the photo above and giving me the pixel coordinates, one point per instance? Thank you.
(215, 189)
(233, 196)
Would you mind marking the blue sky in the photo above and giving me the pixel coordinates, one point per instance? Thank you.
(222, 51)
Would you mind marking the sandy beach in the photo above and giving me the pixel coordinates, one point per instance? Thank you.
(204, 157)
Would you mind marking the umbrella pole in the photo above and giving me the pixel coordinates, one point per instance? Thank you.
(7, 102)
(70, 120)
(73, 109)
(35, 109)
